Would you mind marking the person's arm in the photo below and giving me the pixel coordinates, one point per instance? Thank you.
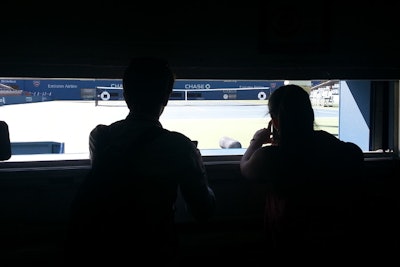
(252, 158)
(199, 197)
(95, 141)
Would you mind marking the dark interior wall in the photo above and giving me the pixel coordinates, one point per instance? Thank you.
(34, 210)
(207, 39)
(35, 203)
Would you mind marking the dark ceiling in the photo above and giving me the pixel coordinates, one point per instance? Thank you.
(211, 39)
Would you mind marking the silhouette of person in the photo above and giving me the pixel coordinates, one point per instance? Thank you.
(5, 145)
(311, 178)
(124, 211)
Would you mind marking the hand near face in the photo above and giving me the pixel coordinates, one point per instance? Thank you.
(265, 135)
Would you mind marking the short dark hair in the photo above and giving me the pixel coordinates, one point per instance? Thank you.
(147, 81)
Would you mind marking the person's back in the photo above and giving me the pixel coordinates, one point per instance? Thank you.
(124, 211)
(312, 197)
(314, 201)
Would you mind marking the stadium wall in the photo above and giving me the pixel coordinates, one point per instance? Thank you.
(85, 89)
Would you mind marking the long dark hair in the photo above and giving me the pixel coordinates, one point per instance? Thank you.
(291, 106)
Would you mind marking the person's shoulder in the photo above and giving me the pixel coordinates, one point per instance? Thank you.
(103, 129)
(352, 146)
(350, 152)
(324, 136)
(344, 148)
(176, 137)
(354, 150)
(99, 129)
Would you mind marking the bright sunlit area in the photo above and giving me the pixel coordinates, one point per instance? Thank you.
(58, 117)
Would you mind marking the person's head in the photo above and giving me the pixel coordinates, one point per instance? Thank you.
(291, 112)
(147, 84)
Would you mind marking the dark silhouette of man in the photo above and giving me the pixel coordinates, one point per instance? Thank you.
(124, 211)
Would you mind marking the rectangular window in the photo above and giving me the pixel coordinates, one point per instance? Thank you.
(52, 118)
